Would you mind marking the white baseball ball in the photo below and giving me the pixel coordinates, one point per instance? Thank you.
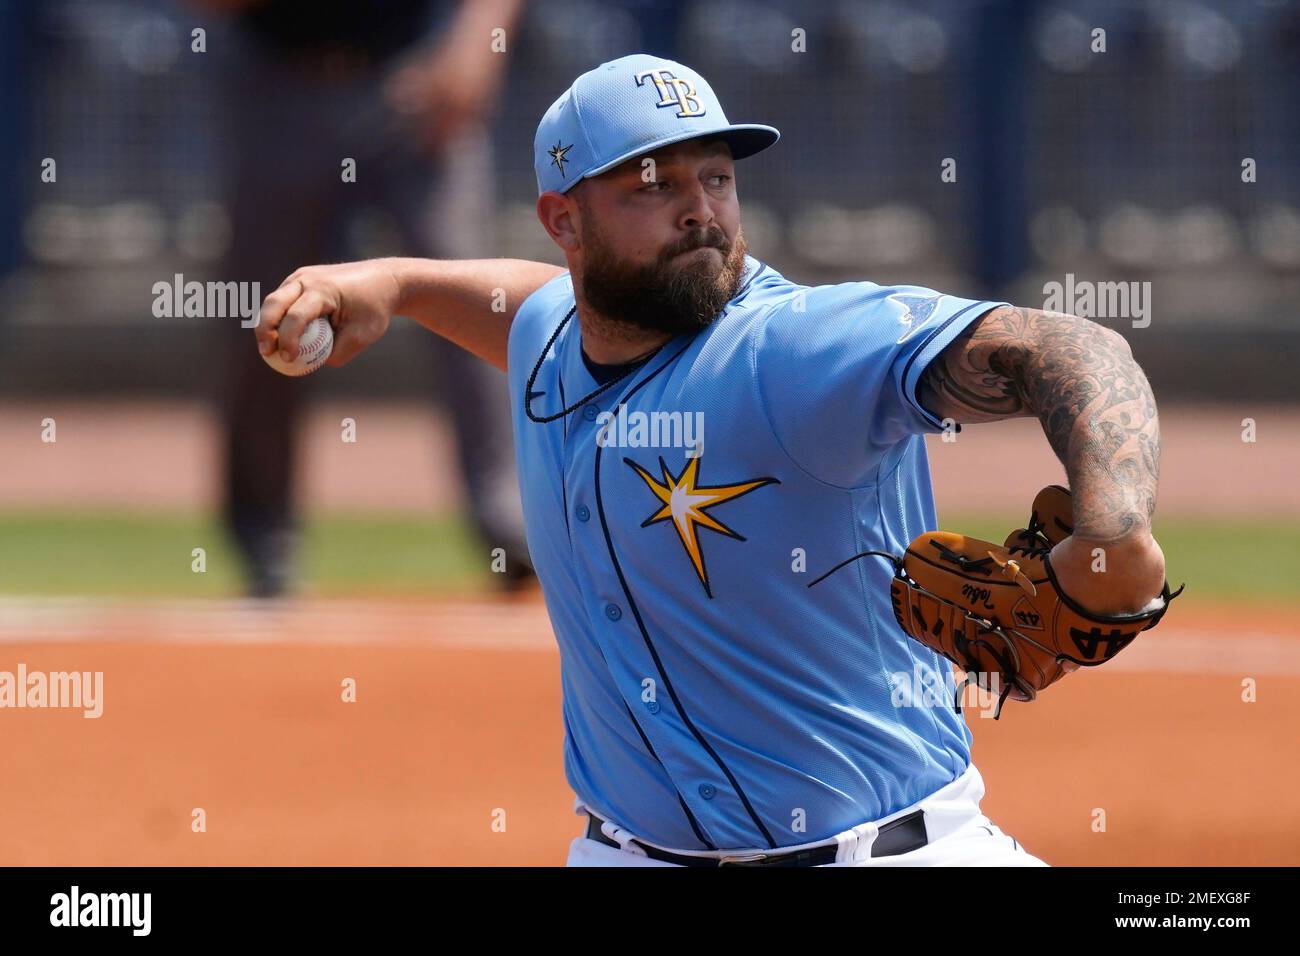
(314, 347)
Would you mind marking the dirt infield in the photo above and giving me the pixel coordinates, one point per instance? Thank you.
(237, 710)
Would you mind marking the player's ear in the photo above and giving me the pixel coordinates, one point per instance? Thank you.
(558, 215)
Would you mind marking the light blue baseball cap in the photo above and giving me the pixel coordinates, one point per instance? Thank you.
(627, 107)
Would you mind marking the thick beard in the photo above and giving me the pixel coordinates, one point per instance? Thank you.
(663, 296)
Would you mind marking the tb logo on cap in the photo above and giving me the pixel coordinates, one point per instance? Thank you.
(673, 91)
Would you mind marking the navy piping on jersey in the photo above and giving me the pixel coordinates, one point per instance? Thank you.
(907, 369)
(645, 635)
(564, 488)
(564, 493)
(695, 827)
(559, 380)
(699, 834)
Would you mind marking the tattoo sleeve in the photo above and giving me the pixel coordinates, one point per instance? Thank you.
(1081, 382)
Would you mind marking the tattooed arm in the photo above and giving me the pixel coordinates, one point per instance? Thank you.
(1080, 381)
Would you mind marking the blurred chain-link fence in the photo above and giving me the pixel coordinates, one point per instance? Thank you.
(1164, 149)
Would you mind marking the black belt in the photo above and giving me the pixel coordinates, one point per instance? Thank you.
(897, 836)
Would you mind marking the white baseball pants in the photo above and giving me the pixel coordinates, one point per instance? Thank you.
(959, 835)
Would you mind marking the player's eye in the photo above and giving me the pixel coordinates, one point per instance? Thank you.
(654, 186)
(721, 179)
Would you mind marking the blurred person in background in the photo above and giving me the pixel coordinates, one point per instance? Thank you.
(16, 27)
(403, 87)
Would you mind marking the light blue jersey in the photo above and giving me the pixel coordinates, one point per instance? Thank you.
(712, 700)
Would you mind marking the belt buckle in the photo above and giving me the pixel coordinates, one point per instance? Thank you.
(741, 858)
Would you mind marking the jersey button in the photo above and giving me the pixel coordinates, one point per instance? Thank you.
(583, 512)
(708, 791)
(589, 413)
(613, 612)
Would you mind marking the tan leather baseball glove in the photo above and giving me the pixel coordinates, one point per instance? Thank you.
(998, 612)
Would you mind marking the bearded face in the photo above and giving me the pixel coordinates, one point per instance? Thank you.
(683, 290)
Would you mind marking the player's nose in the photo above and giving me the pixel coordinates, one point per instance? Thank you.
(697, 208)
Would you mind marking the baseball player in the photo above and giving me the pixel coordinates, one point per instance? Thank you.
(699, 438)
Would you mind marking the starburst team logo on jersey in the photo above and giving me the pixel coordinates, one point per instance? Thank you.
(686, 502)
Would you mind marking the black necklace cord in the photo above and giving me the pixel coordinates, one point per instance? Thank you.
(532, 379)
(893, 559)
